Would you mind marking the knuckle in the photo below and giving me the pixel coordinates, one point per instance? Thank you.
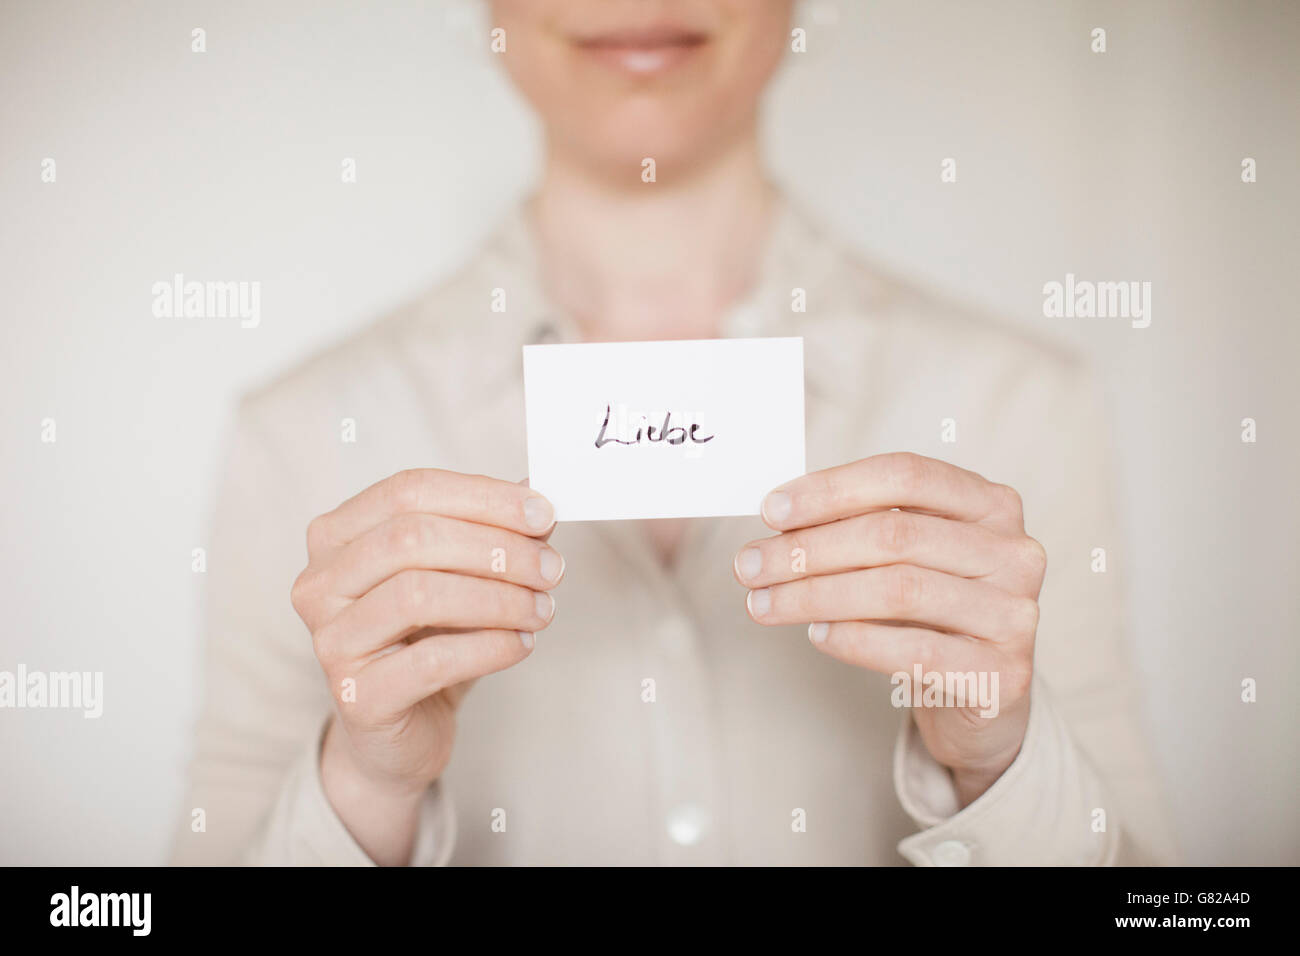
(501, 604)
(804, 600)
(906, 471)
(927, 651)
(826, 490)
(303, 591)
(903, 588)
(490, 500)
(409, 534)
(428, 660)
(326, 649)
(895, 533)
(404, 490)
(510, 603)
(1035, 555)
(413, 591)
(318, 534)
(1011, 501)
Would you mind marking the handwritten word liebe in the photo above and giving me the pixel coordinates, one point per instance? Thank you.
(669, 433)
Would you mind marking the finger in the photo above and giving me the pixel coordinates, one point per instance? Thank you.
(523, 483)
(433, 491)
(873, 539)
(898, 480)
(396, 682)
(435, 543)
(891, 649)
(903, 593)
(411, 600)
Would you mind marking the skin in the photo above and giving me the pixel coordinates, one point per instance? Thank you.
(401, 592)
(403, 596)
(908, 560)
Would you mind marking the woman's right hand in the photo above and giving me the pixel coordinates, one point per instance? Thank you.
(414, 588)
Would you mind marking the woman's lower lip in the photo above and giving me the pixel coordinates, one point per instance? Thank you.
(642, 60)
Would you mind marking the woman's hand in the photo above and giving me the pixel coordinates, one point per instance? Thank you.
(900, 560)
(414, 588)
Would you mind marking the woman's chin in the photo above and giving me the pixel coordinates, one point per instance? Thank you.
(636, 153)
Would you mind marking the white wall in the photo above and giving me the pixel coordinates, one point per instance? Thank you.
(1122, 165)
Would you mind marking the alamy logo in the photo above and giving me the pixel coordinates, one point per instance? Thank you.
(1098, 300)
(181, 299)
(946, 689)
(60, 690)
(102, 909)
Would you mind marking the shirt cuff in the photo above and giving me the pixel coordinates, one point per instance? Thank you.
(1047, 808)
(304, 830)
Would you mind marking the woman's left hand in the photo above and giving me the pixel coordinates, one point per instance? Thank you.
(900, 560)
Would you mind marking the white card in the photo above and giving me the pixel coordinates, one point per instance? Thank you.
(663, 429)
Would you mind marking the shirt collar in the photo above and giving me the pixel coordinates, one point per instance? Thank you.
(797, 255)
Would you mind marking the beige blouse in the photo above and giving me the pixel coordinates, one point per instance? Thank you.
(756, 749)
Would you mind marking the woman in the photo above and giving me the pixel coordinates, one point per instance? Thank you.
(655, 711)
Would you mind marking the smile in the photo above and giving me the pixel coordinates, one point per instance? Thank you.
(643, 52)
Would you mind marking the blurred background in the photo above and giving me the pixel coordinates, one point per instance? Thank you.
(226, 165)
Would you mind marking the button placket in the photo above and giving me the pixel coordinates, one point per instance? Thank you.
(684, 746)
(680, 723)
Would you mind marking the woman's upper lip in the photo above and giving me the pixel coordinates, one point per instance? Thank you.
(644, 38)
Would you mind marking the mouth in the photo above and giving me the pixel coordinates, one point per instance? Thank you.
(643, 52)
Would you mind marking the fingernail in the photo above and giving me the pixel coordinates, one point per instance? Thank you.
(760, 601)
(526, 638)
(552, 565)
(817, 632)
(545, 605)
(538, 513)
(776, 507)
(749, 564)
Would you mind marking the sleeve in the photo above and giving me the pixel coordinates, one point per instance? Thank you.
(254, 789)
(1084, 788)
(303, 830)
